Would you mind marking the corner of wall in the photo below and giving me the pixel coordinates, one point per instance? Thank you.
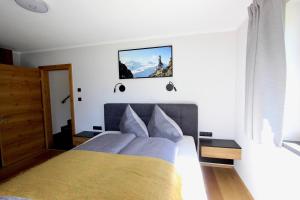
(17, 58)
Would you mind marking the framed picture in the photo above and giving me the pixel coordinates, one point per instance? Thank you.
(152, 62)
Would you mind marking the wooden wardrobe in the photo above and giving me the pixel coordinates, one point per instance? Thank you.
(21, 114)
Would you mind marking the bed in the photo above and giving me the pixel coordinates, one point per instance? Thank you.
(121, 166)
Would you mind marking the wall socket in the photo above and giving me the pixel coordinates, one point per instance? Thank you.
(97, 128)
(206, 134)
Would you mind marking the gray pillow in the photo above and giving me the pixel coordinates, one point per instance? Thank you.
(161, 125)
(132, 123)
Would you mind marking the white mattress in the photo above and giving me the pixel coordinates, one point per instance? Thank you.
(188, 167)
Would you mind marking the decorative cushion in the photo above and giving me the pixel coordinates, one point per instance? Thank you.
(132, 123)
(161, 125)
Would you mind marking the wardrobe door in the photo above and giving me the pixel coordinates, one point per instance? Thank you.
(21, 114)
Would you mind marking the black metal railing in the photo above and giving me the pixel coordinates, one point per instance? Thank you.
(65, 99)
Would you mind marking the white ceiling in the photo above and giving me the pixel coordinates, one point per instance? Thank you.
(72, 23)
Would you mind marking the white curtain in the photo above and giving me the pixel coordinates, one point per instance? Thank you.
(265, 69)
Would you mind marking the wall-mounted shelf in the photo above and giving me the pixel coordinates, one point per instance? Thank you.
(219, 152)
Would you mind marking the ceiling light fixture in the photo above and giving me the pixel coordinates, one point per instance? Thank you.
(38, 6)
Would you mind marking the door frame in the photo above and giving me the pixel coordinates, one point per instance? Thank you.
(46, 99)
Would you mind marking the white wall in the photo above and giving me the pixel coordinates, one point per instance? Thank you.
(16, 58)
(292, 104)
(204, 73)
(59, 89)
(268, 171)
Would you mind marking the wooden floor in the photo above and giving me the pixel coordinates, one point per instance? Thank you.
(224, 184)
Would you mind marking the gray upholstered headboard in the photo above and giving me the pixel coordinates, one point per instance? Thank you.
(185, 115)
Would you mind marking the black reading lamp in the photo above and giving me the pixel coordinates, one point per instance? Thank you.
(122, 87)
(170, 86)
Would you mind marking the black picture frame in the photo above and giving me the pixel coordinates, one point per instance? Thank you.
(122, 76)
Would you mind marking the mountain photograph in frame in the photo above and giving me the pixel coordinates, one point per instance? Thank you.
(152, 62)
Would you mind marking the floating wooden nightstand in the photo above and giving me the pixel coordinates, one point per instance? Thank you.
(219, 152)
(83, 137)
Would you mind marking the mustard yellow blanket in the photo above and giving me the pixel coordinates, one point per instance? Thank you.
(93, 175)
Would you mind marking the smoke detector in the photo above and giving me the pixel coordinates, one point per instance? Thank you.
(38, 6)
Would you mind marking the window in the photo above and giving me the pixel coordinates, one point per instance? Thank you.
(291, 126)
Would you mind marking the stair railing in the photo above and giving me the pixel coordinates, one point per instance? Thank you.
(65, 99)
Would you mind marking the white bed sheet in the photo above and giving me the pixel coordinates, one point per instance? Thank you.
(188, 167)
